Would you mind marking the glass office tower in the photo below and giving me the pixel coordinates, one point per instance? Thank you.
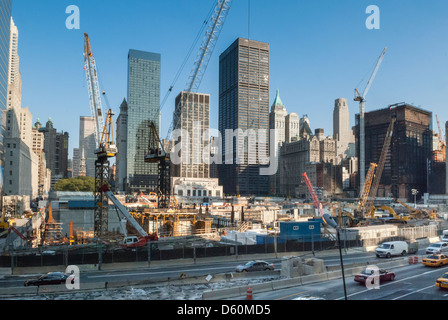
(5, 29)
(143, 103)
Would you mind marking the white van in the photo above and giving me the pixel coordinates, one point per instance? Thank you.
(392, 248)
(444, 236)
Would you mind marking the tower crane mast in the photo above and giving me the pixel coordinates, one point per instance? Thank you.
(105, 146)
(361, 99)
(156, 152)
(94, 89)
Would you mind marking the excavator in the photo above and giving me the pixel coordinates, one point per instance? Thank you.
(418, 214)
(392, 213)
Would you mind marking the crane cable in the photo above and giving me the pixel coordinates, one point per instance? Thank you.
(190, 51)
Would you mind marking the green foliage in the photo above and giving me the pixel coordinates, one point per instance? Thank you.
(86, 184)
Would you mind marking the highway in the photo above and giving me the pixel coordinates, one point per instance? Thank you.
(412, 282)
(174, 271)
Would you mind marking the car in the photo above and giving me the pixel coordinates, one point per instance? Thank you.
(435, 260)
(392, 248)
(51, 278)
(255, 266)
(437, 248)
(385, 275)
(442, 282)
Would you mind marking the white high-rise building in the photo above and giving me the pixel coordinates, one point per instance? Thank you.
(21, 163)
(87, 144)
(277, 122)
(342, 133)
(292, 123)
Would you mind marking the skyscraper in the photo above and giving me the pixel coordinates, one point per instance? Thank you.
(143, 104)
(406, 164)
(194, 118)
(56, 151)
(121, 140)
(87, 144)
(277, 122)
(5, 24)
(244, 105)
(342, 134)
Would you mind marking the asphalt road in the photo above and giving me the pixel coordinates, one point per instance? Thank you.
(174, 271)
(413, 282)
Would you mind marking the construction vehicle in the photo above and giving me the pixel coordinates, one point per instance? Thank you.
(418, 214)
(3, 221)
(391, 211)
(365, 191)
(105, 146)
(130, 241)
(361, 99)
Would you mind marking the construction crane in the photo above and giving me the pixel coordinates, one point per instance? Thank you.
(364, 194)
(105, 146)
(381, 163)
(328, 220)
(441, 152)
(361, 99)
(157, 154)
(220, 12)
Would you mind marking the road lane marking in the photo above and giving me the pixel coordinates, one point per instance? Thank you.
(294, 294)
(407, 294)
(150, 272)
(395, 281)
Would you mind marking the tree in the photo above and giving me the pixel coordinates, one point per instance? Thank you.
(85, 184)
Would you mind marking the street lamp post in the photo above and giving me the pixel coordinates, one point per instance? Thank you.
(414, 193)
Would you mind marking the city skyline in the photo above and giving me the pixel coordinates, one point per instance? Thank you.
(318, 54)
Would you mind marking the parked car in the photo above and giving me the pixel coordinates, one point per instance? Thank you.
(384, 275)
(442, 282)
(437, 248)
(392, 248)
(255, 266)
(435, 260)
(51, 278)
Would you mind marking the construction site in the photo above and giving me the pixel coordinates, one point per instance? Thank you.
(157, 224)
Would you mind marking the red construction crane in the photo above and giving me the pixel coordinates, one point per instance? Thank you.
(328, 220)
(313, 194)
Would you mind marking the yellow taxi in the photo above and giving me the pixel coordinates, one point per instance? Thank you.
(435, 260)
(442, 282)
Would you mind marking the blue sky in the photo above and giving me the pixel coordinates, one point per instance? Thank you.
(319, 51)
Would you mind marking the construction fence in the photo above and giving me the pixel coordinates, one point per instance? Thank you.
(198, 248)
(157, 252)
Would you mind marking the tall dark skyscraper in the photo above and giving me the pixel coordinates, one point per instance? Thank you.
(244, 104)
(143, 105)
(406, 165)
(5, 29)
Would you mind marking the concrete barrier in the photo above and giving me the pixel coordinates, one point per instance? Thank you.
(6, 271)
(313, 278)
(335, 275)
(13, 291)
